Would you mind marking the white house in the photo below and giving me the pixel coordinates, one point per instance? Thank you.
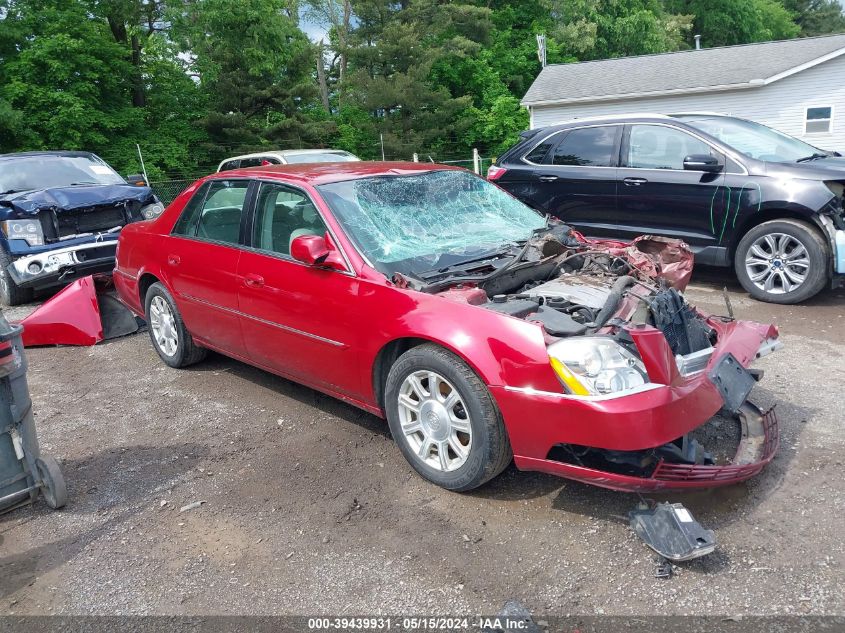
(796, 86)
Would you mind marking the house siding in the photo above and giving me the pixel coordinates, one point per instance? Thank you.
(781, 105)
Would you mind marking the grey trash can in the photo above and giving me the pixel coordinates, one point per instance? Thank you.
(24, 472)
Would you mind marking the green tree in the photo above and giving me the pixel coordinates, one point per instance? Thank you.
(727, 22)
(817, 17)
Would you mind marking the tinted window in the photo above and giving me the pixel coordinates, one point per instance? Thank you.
(230, 164)
(187, 222)
(218, 217)
(251, 162)
(659, 147)
(593, 146)
(537, 154)
(283, 214)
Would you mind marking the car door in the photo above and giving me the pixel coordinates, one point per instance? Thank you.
(657, 195)
(295, 317)
(573, 177)
(202, 255)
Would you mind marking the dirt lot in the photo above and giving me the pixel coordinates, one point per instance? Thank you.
(309, 508)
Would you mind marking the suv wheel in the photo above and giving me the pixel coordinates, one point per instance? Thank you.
(444, 420)
(10, 293)
(782, 261)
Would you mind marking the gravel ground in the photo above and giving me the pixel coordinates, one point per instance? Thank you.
(307, 506)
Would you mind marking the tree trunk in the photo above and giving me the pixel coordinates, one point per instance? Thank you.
(321, 78)
(139, 93)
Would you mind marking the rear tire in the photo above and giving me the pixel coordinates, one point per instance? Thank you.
(453, 434)
(783, 261)
(170, 337)
(10, 293)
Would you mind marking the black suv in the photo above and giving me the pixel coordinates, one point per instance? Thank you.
(739, 193)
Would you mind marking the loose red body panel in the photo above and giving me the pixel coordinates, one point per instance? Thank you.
(70, 317)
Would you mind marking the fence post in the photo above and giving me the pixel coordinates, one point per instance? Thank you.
(476, 161)
(416, 158)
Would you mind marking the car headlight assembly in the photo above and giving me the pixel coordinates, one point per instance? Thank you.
(151, 211)
(28, 230)
(595, 366)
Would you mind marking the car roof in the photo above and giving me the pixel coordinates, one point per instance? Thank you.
(322, 173)
(65, 153)
(289, 152)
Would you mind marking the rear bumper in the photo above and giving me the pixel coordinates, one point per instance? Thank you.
(63, 265)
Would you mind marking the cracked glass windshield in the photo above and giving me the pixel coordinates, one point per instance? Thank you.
(418, 222)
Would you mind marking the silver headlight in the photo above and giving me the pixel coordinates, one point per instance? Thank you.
(152, 210)
(28, 230)
(592, 366)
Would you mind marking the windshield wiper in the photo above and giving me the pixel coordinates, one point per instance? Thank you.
(84, 182)
(814, 156)
(3, 193)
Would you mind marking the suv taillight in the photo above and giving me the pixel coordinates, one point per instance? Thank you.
(494, 172)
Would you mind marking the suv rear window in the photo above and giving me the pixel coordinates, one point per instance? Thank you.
(589, 146)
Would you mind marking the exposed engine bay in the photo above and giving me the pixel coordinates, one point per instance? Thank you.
(572, 286)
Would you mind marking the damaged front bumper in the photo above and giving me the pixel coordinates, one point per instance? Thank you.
(62, 265)
(638, 442)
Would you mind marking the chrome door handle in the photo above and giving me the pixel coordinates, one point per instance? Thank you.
(634, 182)
(548, 178)
(253, 281)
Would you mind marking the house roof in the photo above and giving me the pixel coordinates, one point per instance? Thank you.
(705, 70)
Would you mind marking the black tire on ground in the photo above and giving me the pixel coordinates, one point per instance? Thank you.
(187, 352)
(55, 490)
(490, 450)
(818, 254)
(10, 293)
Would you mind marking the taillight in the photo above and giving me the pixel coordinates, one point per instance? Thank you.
(494, 172)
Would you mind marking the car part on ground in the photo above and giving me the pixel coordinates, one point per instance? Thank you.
(60, 215)
(671, 531)
(777, 215)
(84, 313)
(426, 295)
(24, 471)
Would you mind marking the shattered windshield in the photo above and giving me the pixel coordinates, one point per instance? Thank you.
(412, 223)
(45, 171)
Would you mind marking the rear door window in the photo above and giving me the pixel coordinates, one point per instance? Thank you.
(217, 217)
(587, 147)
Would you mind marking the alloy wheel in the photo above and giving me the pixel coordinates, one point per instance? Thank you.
(435, 421)
(777, 263)
(163, 326)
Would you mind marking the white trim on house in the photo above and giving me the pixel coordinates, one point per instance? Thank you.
(809, 64)
(756, 83)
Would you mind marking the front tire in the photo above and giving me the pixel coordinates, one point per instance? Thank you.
(10, 293)
(444, 419)
(782, 261)
(170, 337)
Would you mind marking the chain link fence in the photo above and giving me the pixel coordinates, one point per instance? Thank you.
(167, 190)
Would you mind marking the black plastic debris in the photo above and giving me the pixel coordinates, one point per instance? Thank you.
(671, 531)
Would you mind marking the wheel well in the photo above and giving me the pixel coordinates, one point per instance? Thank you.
(384, 361)
(766, 216)
(144, 283)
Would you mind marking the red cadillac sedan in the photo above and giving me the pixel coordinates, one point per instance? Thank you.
(480, 330)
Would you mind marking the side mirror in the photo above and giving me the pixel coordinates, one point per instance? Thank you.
(137, 180)
(702, 162)
(316, 250)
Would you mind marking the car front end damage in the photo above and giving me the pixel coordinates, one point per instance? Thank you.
(643, 375)
(832, 219)
(55, 236)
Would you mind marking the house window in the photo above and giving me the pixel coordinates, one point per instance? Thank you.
(818, 120)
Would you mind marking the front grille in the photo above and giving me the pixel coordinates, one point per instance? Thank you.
(89, 220)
